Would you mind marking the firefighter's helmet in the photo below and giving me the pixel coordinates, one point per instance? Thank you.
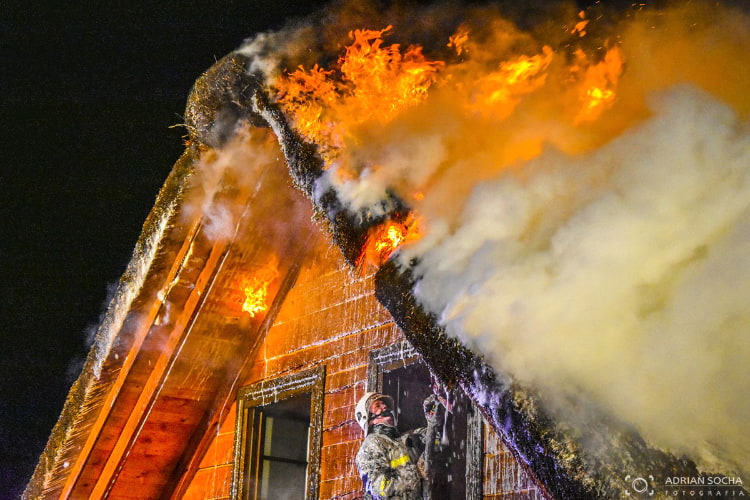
(362, 410)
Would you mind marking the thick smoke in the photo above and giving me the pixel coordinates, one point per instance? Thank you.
(228, 177)
(621, 275)
(598, 252)
(601, 258)
(617, 272)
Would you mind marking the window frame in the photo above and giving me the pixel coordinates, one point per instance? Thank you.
(403, 354)
(270, 391)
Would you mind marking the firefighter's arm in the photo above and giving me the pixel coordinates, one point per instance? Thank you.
(429, 434)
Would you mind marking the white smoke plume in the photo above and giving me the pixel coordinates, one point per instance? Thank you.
(264, 49)
(622, 275)
(602, 258)
(243, 163)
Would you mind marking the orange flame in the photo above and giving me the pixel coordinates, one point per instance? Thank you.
(458, 40)
(498, 92)
(389, 239)
(255, 289)
(384, 81)
(374, 82)
(307, 95)
(385, 239)
(599, 81)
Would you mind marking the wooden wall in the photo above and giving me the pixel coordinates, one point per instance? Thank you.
(504, 477)
(331, 317)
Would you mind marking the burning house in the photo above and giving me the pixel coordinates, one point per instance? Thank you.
(549, 228)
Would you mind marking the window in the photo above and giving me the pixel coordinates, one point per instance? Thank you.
(456, 471)
(278, 438)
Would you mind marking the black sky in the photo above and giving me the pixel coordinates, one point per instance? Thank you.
(88, 93)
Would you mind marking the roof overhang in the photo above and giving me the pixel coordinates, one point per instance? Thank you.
(174, 342)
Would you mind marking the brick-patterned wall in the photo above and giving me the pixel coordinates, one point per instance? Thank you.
(504, 477)
(214, 476)
(331, 317)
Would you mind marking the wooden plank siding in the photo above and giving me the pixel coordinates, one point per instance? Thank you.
(505, 478)
(331, 317)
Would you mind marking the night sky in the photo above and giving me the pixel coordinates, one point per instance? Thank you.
(88, 94)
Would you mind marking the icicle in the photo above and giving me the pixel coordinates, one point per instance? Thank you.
(444, 441)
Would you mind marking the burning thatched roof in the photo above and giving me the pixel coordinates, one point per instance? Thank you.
(552, 450)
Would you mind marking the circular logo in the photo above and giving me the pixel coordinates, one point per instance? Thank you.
(640, 485)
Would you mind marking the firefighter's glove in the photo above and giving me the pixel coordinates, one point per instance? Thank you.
(422, 467)
(431, 405)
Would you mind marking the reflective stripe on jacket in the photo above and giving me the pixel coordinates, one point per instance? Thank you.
(388, 469)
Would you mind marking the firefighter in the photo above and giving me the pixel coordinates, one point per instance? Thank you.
(392, 465)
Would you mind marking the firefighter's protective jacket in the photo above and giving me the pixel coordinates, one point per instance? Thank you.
(388, 466)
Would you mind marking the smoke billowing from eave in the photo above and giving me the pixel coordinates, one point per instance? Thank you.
(581, 188)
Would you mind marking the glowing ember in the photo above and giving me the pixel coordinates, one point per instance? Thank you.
(580, 26)
(255, 290)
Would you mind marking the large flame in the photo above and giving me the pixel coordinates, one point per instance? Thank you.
(373, 84)
(498, 92)
(386, 238)
(370, 81)
(255, 289)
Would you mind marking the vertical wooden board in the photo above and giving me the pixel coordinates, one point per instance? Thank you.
(492, 476)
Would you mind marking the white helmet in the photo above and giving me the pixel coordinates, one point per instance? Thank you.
(362, 410)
